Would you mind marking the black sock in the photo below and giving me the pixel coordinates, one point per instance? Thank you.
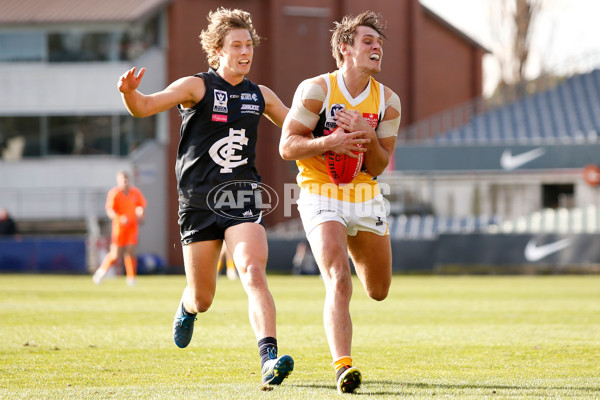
(267, 348)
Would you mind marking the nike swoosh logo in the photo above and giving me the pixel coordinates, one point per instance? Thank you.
(510, 162)
(533, 252)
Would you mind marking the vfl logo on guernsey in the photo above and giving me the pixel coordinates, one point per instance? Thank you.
(223, 151)
(330, 123)
(220, 101)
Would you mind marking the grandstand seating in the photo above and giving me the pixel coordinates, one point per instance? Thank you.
(562, 221)
(569, 112)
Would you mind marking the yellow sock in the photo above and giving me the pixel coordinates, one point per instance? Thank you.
(341, 362)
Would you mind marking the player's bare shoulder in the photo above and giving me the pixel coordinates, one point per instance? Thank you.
(267, 93)
(192, 88)
(317, 80)
(311, 93)
(392, 103)
(388, 93)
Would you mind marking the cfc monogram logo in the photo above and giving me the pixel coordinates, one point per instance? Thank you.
(223, 151)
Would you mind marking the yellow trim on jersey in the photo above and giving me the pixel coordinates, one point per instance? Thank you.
(312, 176)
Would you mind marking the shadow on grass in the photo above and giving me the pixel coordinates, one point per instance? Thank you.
(368, 389)
(421, 385)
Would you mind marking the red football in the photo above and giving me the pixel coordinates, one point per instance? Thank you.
(341, 168)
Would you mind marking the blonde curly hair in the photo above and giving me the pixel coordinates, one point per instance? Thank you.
(220, 23)
(343, 32)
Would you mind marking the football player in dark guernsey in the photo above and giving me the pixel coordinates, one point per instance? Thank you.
(220, 112)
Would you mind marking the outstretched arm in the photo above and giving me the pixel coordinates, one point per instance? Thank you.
(185, 91)
(275, 110)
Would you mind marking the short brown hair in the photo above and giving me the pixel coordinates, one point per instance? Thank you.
(220, 23)
(344, 31)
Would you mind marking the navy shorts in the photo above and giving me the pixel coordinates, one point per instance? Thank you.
(197, 224)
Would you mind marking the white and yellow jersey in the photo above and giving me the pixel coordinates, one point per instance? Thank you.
(313, 177)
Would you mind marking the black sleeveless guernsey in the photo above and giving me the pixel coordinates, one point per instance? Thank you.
(218, 139)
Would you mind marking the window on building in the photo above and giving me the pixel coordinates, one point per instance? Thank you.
(80, 44)
(22, 46)
(135, 131)
(20, 137)
(80, 135)
(118, 135)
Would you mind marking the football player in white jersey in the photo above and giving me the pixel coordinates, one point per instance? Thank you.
(344, 220)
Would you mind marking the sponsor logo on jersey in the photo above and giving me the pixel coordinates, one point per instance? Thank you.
(223, 151)
(372, 119)
(219, 118)
(251, 107)
(220, 105)
(249, 96)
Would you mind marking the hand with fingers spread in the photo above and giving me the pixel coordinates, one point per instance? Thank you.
(352, 121)
(129, 81)
(347, 143)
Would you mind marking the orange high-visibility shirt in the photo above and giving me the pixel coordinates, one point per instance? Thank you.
(125, 204)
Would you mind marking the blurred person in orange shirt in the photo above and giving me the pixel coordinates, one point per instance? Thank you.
(125, 206)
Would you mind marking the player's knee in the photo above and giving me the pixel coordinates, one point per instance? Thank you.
(202, 302)
(254, 275)
(378, 292)
(339, 282)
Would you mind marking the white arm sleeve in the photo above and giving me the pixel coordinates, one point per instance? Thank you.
(306, 91)
(390, 127)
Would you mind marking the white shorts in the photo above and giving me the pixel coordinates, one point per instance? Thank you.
(369, 216)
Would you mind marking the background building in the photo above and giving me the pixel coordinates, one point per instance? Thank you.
(64, 131)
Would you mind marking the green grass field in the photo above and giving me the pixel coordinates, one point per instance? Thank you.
(62, 337)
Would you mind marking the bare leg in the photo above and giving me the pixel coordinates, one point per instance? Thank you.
(329, 243)
(248, 245)
(200, 259)
(372, 257)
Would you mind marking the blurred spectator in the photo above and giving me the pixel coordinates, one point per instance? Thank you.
(8, 227)
(125, 206)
